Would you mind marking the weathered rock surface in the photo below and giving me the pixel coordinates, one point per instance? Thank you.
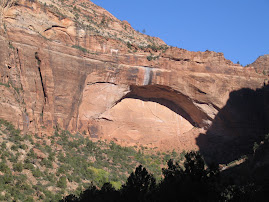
(78, 67)
(261, 65)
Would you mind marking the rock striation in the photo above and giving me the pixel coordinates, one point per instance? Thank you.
(71, 64)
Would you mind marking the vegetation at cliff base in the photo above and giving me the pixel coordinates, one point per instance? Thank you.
(46, 168)
(195, 181)
(73, 168)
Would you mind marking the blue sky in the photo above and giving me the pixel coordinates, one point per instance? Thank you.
(237, 28)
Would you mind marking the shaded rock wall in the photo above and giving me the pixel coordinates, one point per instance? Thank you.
(241, 122)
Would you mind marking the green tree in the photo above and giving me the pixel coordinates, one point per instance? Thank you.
(139, 184)
(195, 165)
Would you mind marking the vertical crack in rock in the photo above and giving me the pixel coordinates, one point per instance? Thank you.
(20, 69)
(42, 113)
(40, 74)
(26, 120)
(19, 60)
(80, 97)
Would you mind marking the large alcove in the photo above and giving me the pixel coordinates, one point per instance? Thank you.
(151, 115)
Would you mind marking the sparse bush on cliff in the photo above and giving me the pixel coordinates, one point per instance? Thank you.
(84, 50)
(155, 47)
(129, 45)
(151, 57)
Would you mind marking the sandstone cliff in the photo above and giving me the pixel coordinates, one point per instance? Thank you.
(74, 65)
(261, 65)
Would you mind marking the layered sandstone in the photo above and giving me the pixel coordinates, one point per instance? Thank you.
(261, 65)
(77, 67)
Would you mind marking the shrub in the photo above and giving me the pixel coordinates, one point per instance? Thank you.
(13, 158)
(18, 167)
(46, 162)
(61, 158)
(28, 166)
(31, 154)
(4, 145)
(51, 157)
(84, 50)
(61, 170)
(62, 182)
(14, 147)
(116, 185)
(36, 172)
(23, 146)
(129, 45)
(150, 58)
(6, 178)
(100, 176)
(3, 167)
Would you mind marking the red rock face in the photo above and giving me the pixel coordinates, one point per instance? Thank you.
(261, 65)
(81, 69)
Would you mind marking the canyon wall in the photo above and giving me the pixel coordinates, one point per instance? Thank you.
(77, 67)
